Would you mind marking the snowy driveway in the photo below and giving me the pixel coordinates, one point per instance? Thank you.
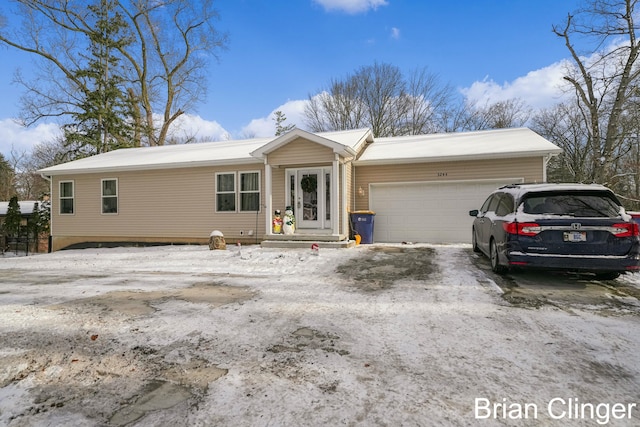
(375, 335)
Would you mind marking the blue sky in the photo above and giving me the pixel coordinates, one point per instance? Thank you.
(281, 51)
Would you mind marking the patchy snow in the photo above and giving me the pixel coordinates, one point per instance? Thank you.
(375, 335)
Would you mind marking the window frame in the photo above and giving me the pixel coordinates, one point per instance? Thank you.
(238, 191)
(218, 192)
(65, 198)
(241, 191)
(103, 196)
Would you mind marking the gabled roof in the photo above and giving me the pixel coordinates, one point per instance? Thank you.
(346, 143)
(504, 143)
(206, 154)
(440, 147)
(164, 157)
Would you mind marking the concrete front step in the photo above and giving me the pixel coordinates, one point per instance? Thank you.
(297, 244)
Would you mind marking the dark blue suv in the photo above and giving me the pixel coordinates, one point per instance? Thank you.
(572, 227)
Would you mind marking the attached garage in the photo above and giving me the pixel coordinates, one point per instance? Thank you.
(435, 212)
(423, 187)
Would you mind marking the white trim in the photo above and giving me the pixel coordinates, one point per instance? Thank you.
(268, 202)
(322, 222)
(455, 158)
(73, 197)
(102, 196)
(240, 192)
(343, 204)
(335, 195)
(235, 196)
(237, 191)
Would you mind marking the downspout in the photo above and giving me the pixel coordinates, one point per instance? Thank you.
(546, 160)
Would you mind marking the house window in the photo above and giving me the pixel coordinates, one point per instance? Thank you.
(243, 197)
(225, 192)
(249, 191)
(66, 197)
(109, 196)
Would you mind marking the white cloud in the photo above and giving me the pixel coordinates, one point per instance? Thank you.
(539, 89)
(20, 139)
(395, 33)
(192, 126)
(266, 126)
(351, 6)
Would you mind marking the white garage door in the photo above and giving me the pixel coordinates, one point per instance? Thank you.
(428, 212)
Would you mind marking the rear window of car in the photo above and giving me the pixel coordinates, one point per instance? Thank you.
(577, 204)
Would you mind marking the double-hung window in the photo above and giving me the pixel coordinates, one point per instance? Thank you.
(238, 192)
(66, 197)
(225, 192)
(109, 196)
(249, 191)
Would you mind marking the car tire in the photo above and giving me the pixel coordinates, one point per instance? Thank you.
(474, 240)
(495, 259)
(608, 275)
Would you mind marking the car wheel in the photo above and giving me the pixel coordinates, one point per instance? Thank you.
(609, 275)
(493, 257)
(474, 240)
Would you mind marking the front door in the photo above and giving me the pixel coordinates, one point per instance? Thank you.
(310, 196)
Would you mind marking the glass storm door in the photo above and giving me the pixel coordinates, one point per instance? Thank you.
(309, 195)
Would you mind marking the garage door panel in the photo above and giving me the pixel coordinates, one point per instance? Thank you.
(427, 212)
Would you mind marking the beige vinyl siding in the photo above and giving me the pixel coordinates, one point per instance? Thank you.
(350, 189)
(278, 189)
(530, 169)
(301, 152)
(172, 204)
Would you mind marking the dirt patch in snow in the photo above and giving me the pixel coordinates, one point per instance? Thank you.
(138, 303)
(382, 266)
(84, 367)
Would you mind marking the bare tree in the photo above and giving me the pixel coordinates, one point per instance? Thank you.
(28, 184)
(164, 65)
(382, 98)
(337, 108)
(564, 125)
(429, 104)
(497, 115)
(604, 80)
(7, 177)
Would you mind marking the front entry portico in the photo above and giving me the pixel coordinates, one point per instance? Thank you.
(312, 175)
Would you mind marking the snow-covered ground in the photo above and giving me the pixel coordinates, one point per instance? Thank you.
(374, 335)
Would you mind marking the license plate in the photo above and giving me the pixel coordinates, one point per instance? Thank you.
(575, 236)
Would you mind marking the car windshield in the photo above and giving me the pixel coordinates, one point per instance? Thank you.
(572, 204)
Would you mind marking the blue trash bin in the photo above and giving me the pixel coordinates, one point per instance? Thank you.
(362, 224)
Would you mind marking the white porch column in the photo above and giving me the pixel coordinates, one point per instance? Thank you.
(336, 196)
(343, 200)
(268, 203)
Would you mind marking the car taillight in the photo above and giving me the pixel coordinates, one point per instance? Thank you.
(522, 228)
(626, 229)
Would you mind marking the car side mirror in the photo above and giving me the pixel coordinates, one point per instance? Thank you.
(474, 212)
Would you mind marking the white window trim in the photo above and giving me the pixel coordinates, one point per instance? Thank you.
(116, 196)
(72, 197)
(237, 191)
(240, 192)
